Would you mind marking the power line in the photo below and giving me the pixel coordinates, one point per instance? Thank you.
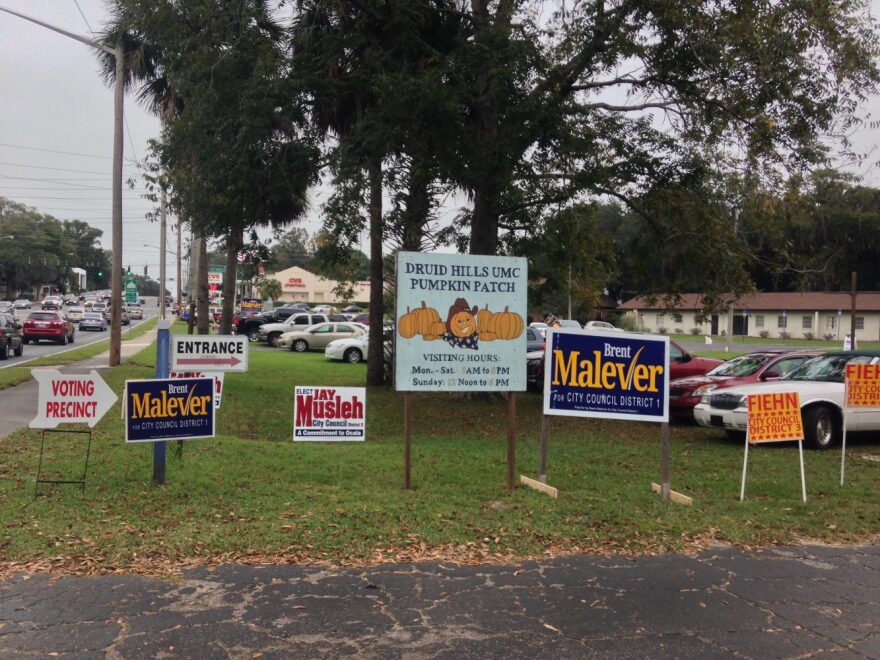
(55, 151)
(56, 169)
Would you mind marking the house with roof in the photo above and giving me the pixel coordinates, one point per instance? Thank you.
(807, 315)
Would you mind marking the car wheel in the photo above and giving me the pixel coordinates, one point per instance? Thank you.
(18, 351)
(63, 339)
(273, 338)
(253, 335)
(820, 427)
(737, 436)
(72, 337)
(4, 352)
(353, 356)
(26, 340)
(300, 346)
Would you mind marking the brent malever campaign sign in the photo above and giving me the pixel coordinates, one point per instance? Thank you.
(165, 409)
(460, 323)
(329, 413)
(209, 353)
(68, 399)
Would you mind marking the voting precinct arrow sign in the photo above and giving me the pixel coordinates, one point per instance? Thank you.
(70, 399)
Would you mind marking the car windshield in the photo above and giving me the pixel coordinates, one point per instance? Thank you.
(76, 310)
(829, 368)
(43, 316)
(744, 365)
(95, 317)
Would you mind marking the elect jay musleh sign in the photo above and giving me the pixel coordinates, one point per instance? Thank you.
(614, 375)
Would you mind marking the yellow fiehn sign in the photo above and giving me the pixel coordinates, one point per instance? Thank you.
(598, 373)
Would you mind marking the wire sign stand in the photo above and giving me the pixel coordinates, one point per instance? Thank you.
(82, 481)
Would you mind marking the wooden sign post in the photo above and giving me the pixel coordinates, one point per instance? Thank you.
(774, 417)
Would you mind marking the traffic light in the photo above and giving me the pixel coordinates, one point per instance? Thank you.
(100, 273)
(145, 271)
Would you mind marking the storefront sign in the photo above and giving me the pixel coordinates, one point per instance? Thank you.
(775, 417)
(615, 376)
(69, 399)
(460, 323)
(329, 414)
(294, 283)
(169, 409)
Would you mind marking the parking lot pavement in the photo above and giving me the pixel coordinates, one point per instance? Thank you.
(782, 603)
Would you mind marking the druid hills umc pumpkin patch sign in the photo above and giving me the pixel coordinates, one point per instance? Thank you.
(460, 323)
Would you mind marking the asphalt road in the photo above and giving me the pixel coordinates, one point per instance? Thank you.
(799, 602)
(33, 351)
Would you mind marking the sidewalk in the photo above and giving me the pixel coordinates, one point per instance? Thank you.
(797, 602)
(18, 405)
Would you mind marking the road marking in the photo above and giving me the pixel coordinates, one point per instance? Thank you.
(67, 350)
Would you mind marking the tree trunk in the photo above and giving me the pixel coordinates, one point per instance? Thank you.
(233, 247)
(484, 223)
(202, 313)
(376, 353)
(418, 205)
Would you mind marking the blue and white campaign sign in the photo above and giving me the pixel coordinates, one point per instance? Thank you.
(615, 375)
(460, 323)
(165, 409)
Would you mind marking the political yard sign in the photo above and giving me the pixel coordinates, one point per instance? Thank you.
(775, 417)
(862, 385)
(460, 323)
(610, 375)
(329, 414)
(165, 409)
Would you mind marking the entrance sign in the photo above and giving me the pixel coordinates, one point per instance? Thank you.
(216, 375)
(329, 414)
(460, 323)
(608, 375)
(164, 409)
(68, 399)
(862, 393)
(209, 353)
(774, 417)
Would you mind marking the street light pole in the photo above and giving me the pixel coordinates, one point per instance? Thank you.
(162, 248)
(118, 96)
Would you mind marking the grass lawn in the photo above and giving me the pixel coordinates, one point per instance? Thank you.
(15, 375)
(834, 345)
(251, 494)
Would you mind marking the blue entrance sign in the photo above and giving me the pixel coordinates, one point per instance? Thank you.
(166, 409)
(614, 375)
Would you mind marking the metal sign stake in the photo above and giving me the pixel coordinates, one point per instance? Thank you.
(163, 346)
(742, 489)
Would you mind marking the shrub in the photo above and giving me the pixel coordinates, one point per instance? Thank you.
(764, 333)
(828, 336)
(808, 335)
(784, 335)
(661, 330)
(696, 331)
(625, 322)
(679, 331)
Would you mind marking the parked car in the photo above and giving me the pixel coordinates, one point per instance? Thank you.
(317, 337)
(534, 340)
(756, 367)
(135, 311)
(21, 303)
(93, 321)
(535, 370)
(6, 306)
(324, 309)
(50, 325)
(75, 314)
(819, 383)
(350, 349)
(568, 323)
(602, 326)
(272, 331)
(11, 337)
(362, 318)
(353, 309)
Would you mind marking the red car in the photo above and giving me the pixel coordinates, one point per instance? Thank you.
(681, 365)
(48, 325)
(685, 393)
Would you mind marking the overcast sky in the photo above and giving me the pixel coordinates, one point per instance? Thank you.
(56, 128)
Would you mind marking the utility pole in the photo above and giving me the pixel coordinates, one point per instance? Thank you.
(179, 266)
(852, 315)
(118, 96)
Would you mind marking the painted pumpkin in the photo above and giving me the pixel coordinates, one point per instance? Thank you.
(406, 325)
(425, 317)
(437, 329)
(462, 324)
(484, 319)
(507, 325)
(487, 335)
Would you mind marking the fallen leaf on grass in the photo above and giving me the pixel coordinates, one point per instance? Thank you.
(553, 628)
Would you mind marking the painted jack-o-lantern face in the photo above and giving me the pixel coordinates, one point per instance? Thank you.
(462, 324)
